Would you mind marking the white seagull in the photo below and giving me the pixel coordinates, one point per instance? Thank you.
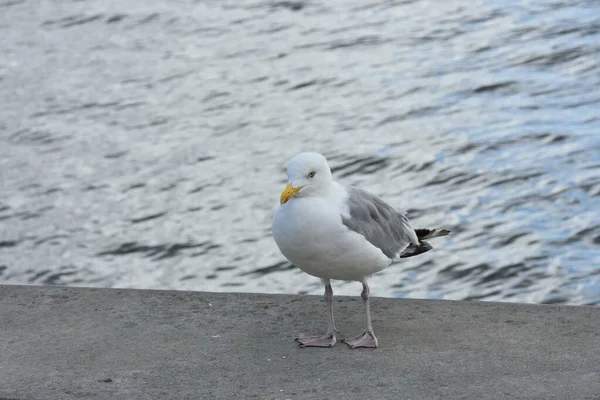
(333, 231)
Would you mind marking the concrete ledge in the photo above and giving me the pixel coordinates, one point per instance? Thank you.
(78, 343)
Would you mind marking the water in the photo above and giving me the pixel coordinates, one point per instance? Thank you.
(144, 144)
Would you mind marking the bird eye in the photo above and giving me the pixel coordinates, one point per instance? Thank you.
(312, 174)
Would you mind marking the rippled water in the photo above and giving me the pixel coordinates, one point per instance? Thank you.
(143, 144)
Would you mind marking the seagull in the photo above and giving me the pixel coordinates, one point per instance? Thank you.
(338, 232)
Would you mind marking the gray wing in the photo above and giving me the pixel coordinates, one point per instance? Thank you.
(384, 227)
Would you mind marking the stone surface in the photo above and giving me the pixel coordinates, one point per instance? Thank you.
(79, 343)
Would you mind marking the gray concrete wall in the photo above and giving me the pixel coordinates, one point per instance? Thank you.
(77, 343)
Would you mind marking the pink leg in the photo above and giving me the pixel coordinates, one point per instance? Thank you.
(367, 338)
(328, 339)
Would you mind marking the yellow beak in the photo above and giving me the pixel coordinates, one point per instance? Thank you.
(289, 192)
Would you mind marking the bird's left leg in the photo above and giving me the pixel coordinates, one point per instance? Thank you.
(367, 338)
(329, 338)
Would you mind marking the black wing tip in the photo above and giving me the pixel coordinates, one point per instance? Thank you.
(415, 250)
(426, 233)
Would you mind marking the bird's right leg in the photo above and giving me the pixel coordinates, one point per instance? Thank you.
(328, 339)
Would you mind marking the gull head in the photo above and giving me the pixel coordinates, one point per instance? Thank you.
(308, 175)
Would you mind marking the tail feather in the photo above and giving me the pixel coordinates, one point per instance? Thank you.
(423, 247)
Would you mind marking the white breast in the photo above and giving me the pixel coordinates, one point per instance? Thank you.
(310, 234)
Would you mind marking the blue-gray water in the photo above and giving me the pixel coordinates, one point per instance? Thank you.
(143, 144)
